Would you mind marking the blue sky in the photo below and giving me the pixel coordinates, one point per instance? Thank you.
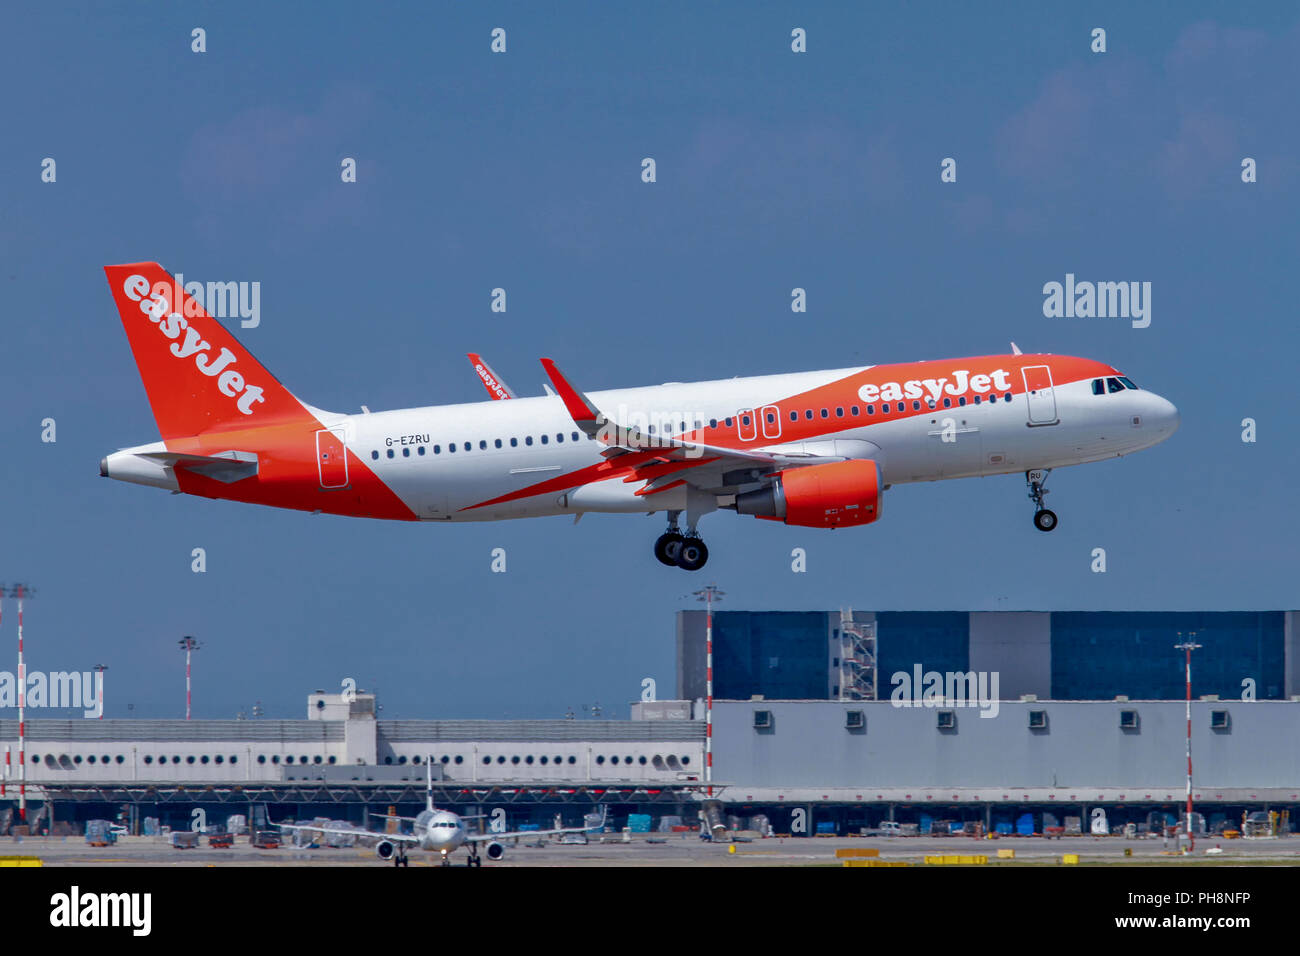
(522, 170)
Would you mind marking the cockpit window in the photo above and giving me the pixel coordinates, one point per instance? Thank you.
(1098, 387)
(1113, 385)
(1127, 383)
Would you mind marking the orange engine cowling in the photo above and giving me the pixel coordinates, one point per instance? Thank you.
(835, 495)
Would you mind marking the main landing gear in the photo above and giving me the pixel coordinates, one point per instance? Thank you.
(1044, 519)
(686, 551)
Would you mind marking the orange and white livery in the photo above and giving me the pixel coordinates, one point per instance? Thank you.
(816, 449)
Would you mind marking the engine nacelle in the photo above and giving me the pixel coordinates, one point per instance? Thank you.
(495, 850)
(838, 494)
(384, 849)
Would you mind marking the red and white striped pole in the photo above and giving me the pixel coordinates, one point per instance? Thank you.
(189, 645)
(708, 595)
(1188, 646)
(20, 592)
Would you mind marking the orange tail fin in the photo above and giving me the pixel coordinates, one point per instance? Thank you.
(196, 374)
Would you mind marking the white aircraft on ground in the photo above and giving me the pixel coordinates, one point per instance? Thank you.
(440, 831)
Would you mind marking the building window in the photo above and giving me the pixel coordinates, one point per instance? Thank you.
(947, 720)
(203, 759)
(487, 760)
(148, 759)
(289, 759)
(600, 759)
(275, 758)
(572, 759)
(261, 758)
(855, 720)
(763, 719)
(1038, 720)
(1128, 720)
(234, 759)
(459, 759)
(1219, 720)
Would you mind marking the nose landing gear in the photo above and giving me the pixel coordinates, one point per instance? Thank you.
(1044, 519)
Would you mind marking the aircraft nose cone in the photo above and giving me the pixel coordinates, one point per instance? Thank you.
(1167, 416)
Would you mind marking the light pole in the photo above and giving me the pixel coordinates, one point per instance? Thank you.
(189, 645)
(21, 591)
(708, 595)
(1187, 647)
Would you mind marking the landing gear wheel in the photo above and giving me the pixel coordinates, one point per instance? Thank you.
(693, 555)
(669, 548)
(1045, 520)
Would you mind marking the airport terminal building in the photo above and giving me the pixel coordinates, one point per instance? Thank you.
(822, 721)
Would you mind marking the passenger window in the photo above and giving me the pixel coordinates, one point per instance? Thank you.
(574, 436)
(390, 453)
(420, 450)
(482, 445)
(559, 436)
(514, 443)
(884, 408)
(794, 416)
(916, 406)
(808, 414)
(826, 413)
(467, 446)
(978, 399)
(451, 447)
(839, 412)
(1006, 397)
(498, 442)
(437, 449)
(947, 403)
(962, 401)
(406, 453)
(1113, 385)
(528, 439)
(728, 421)
(854, 410)
(871, 409)
(1098, 387)
(545, 439)
(375, 455)
(713, 423)
(744, 419)
(771, 418)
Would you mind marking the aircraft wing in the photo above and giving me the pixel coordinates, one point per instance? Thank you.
(392, 837)
(667, 460)
(498, 389)
(487, 837)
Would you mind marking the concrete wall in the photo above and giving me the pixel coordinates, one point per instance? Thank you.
(1083, 746)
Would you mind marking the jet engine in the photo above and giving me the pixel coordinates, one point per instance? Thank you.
(495, 850)
(834, 495)
(384, 849)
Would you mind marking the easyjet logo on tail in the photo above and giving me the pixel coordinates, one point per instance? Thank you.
(961, 382)
(155, 302)
(490, 381)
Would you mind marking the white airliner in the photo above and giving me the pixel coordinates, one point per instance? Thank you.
(815, 449)
(441, 832)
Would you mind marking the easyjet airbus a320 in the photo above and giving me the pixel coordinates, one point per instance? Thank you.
(815, 449)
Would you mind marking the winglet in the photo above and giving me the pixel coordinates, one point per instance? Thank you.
(584, 414)
(498, 389)
(1015, 349)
